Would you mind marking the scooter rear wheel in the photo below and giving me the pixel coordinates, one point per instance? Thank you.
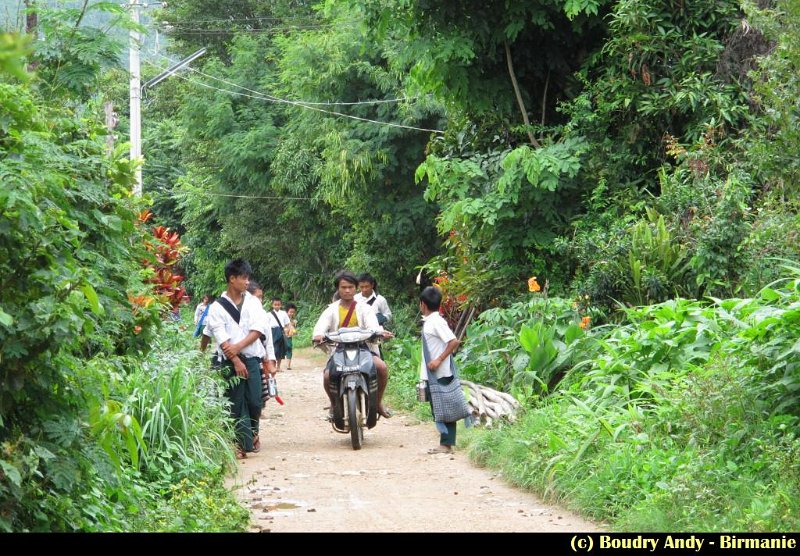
(354, 420)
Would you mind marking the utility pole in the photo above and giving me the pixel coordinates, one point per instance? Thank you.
(136, 98)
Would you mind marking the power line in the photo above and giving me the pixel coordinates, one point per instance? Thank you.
(225, 20)
(310, 103)
(260, 197)
(201, 31)
(260, 96)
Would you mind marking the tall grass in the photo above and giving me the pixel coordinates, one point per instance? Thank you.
(169, 414)
(180, 406)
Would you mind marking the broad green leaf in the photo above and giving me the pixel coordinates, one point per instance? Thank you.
(572, 333)
(91, 297)
(768, 294)
(11, 472)
(529, 339)
(6, 319)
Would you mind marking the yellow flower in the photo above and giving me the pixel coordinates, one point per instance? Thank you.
(533, 285)
(585, 321)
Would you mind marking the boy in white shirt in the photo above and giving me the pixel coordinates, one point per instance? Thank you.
(368, 294)
(279, 323)
(238, 343)
(441, 343)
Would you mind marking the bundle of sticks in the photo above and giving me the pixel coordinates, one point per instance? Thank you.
(489, 405)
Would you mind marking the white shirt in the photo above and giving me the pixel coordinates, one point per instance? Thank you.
(223, 328)
(329, 321)
(436, 334)
(379, 305)
(283, 318)
(199, 312)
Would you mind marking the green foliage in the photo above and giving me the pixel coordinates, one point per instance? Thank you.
(773, 240)
(70, 326)
(184, 441)
(13, 50)
(69, 248)
(196, 505)
(717, 260)
(526, 347)
(456, 50)
(182, 414)
(74, 53)
(313, 192)
(688, 398)
(406, 320)
(775, 133)
(404, 357)
(501, 210)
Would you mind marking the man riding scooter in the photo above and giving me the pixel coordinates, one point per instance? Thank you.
(346, 312)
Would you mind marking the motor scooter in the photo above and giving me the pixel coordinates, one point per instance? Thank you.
(353, 381)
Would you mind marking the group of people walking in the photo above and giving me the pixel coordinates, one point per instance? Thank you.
(251, 342)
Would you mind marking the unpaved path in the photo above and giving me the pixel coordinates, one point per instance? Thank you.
(308, 478)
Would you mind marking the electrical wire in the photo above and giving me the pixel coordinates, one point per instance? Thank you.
(226, 20)
(259, 197)
(267, 98)
(200, 31)
(307, 102)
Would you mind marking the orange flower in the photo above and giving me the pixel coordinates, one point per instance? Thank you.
(137, 329)
(533, 285)
(585, 321)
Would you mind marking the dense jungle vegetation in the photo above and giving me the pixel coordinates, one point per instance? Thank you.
(610, 186)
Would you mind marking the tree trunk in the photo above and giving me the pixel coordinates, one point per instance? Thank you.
(522, 109)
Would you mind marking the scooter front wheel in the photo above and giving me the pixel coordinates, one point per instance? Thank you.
(354, 420)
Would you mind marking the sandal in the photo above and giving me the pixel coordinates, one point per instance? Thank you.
(385, 412)
(240, 454)
(256, 444)
(442, 449)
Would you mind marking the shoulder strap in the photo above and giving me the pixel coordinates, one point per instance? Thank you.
(348, 315)
(373, 300)
(426, 355)
(275, 316)
(232, 310)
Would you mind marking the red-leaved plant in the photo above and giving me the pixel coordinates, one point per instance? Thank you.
(167, 250)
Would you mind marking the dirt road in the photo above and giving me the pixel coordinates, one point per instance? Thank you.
(308, 478)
